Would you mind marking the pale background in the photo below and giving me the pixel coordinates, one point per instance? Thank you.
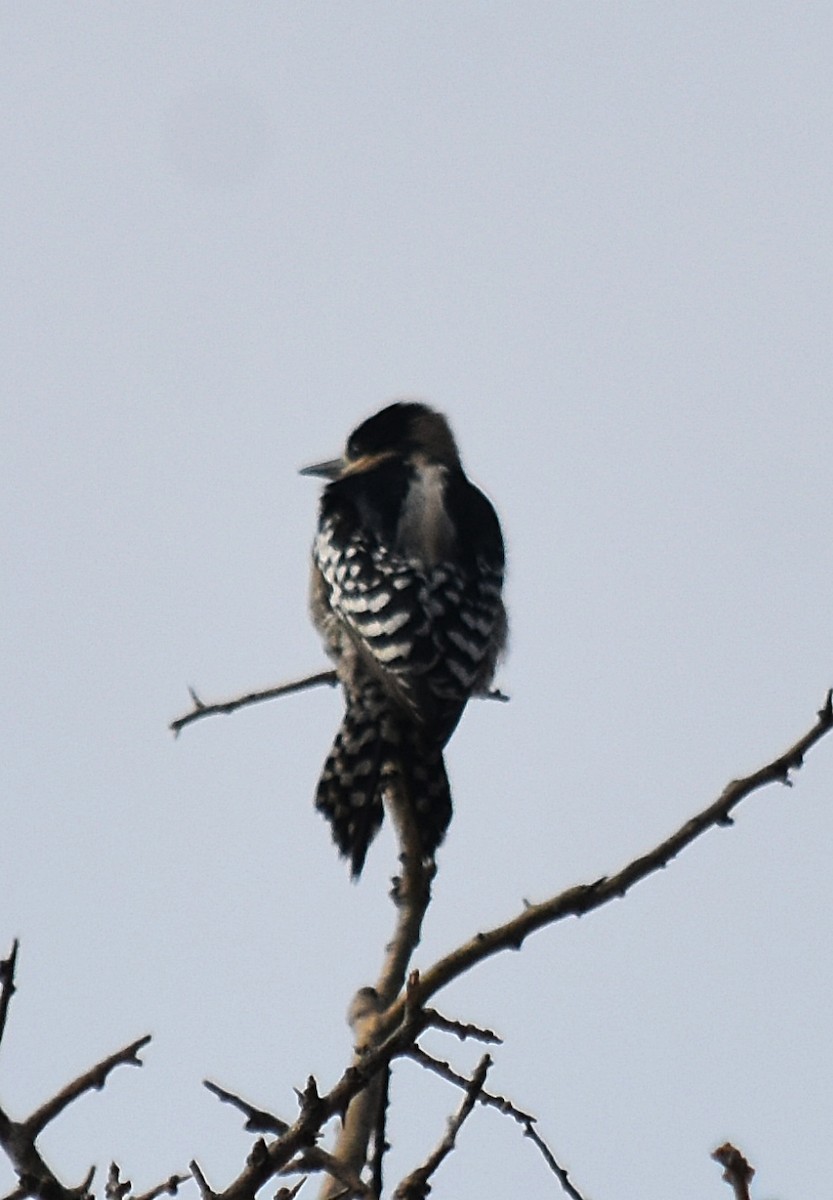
(598, 236)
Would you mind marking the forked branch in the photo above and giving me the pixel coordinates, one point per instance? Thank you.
(19, 1138)
(394, 1025)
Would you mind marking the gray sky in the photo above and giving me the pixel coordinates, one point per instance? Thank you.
(598, 237)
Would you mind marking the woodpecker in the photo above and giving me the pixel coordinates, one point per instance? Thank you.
(407, 572)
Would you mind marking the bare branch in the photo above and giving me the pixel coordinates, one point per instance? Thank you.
(229, 706)
(462, 1030)
(18, 1138)
(584, 898)
(282, 689)
(568, 1187)
(492, 1100)
(379, 1144)
(411, 892)
(737, 1171)
(7, 984)
(317, 1110)
(117, 1188)
(416, 1186)
(169, 1188)
(95, 1078)
(445, 1071)
(258, 1119)
(316, 1159)
(36, 1178)
(412, 895)
(392, 1033)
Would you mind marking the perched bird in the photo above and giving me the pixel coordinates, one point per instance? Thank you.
(408, 565)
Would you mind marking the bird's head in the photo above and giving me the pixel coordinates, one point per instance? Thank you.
(402, 430)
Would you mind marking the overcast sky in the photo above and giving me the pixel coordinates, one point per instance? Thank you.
(597, 236)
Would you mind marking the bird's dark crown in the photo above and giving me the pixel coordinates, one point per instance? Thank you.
(405, 427)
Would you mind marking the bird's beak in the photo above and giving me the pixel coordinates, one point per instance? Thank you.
(327, 470)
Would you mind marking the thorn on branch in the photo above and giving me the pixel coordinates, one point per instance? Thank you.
(736, 1170)
(258, 1155)
(309, 1099)
(116, 1188)
(290, 1193)
(83, 1189)
(7, 984)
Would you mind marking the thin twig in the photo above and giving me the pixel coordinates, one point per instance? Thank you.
(229, 706)
(462, 1029)
(258, 1120)
(169, 1188)
(117, 1188)
(445, 1071)
(493, 1100)
(94, 1079)
(567, 1185)
(416, 1186)
(200, 709)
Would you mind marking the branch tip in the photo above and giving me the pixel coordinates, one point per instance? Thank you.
(201, 1181)
(258, 1120)
(201, 709)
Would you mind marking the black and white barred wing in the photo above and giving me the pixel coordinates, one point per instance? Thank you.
(434, 635)
(469, 623)
(382, 599)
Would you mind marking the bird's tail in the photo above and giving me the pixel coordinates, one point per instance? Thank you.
(369, 749)
(423, 768)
